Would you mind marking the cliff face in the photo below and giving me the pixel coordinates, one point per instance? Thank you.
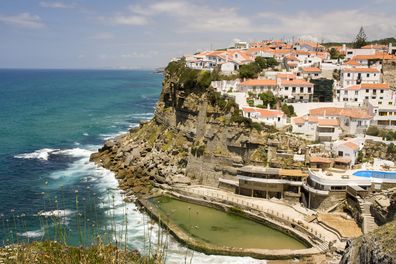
(377, 247)
(196, 136)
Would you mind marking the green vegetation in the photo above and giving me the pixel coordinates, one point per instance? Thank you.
(288, 110)
(335, 55)
(189, 79)
(252, 69)
(383, 133)
(360, 40)
(268, 98)
(53, 252)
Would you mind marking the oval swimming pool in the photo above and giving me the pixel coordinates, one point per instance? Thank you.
(376, 174)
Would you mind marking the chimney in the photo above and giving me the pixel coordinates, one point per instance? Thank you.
(268, 106)
(343, 47)
(390, 48)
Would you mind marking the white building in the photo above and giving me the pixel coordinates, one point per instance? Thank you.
(377, 94)
(267, 116)
(259, 86)
(350, 53)
(317, 128)
(353, 76)
(348, 150)
(311, 72)
(296, 90)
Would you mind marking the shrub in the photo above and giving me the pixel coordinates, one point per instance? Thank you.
(372, 131)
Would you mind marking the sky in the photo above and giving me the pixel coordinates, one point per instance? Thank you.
(134, 34)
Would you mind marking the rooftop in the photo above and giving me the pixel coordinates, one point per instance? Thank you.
(257, 82)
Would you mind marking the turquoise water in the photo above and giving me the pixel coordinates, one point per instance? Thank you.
(376, 174)
(51, 121)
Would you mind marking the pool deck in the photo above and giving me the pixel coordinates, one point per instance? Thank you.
(207, 248)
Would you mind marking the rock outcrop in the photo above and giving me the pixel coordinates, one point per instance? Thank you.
(377, 247)
(196, 136)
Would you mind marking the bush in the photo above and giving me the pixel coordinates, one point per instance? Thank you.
(288, 110)
(372, 131)
(249, 71)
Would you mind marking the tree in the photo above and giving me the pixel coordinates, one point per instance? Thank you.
(262, 62)
(360, 39)
(288, 110)
(249, 70)
(268, 98)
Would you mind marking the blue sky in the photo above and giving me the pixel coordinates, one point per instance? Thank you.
(146, 34)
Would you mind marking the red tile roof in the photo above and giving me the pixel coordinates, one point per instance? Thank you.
(328, 122)
(336, 111)
(297, 82)
(373, 70)
(351, 145)
(311, 69)
(317, 159)
(263, 112)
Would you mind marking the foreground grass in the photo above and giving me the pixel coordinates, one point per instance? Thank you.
(54, 252)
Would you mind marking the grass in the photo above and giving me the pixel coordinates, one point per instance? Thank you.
(54, 252)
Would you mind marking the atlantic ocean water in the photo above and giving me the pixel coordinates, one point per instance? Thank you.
(50, 123)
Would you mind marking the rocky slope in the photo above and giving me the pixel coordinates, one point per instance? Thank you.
(196, 136)
(377, 247)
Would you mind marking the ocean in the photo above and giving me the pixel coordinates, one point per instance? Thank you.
(50, 123)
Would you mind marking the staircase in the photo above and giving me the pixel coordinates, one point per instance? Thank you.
(368, 223)
(323, 247)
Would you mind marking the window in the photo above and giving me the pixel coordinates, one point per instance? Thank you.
(294, 89)
(286, 88)
(349, 75)
(356, 92)
(382, 91)
(380, 103)
(301, 89)
(367, 90)
(381, 97)
(338, 91)
(366, 97)
(368, 75)
(309, 89)
(373, 97)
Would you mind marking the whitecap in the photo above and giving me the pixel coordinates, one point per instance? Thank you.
(85, 134)
(41, 154)
(32, 234)
(56, 213)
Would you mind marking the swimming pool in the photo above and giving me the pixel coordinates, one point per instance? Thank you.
(376, 174)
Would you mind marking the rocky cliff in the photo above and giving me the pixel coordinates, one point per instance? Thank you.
(377, 247)
(196, 136)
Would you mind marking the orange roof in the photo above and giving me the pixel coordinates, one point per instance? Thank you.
(377, 56)
(299, 120)
(362, 86)
(353, 63)
(317, 159)
(257, 82)
(351, 145)
(343, 160)
(375, 70)
(263, 112)
(282, 75)
(296, 82)
(301, 52)
(337, 111)
(328, 122)
(311, 69)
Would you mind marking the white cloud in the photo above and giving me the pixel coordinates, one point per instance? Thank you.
(128, 20)
(334, 26)
(60, 5)
(194, 17)
(24, 20)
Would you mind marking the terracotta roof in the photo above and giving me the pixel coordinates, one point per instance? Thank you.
(353, 63)
(374, 46)
(311, 69)
(362, 86)
(374, 70)
(317, 159)
(343, 160)
(299, 120)
(377, 56)
(298, 82)
(328, 122)
(351, 145)
(257, 82)
(263, 112)
(337, 111)
(286, 76)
